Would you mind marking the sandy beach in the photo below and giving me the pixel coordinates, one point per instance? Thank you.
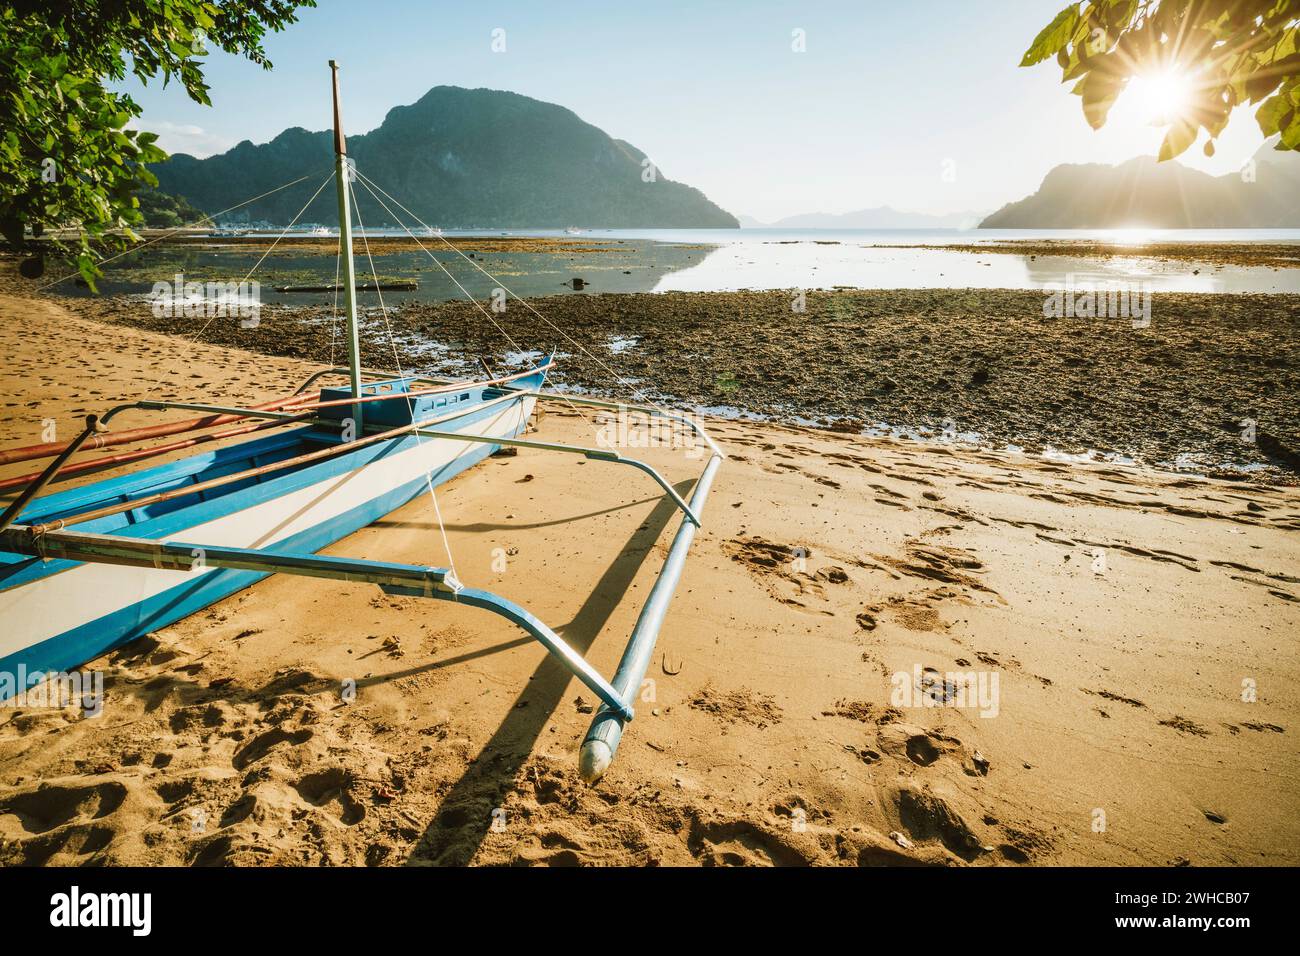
(1134, 629)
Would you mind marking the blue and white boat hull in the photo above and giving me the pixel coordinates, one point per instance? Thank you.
(56, 615)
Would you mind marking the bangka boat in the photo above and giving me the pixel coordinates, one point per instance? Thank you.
(87, 569)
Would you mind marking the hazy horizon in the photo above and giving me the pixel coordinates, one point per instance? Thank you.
(885, 106)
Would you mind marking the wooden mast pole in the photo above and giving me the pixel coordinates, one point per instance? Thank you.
(342, 173)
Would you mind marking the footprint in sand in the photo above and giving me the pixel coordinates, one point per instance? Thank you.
(1185, 725)
(52, 805)
(784, 571)
(938, 563)
(550, 848)
(722, 842)
(915, 744)
(261, 745)
(333, 786)
(925, 816)
(54, 823)
(740, 706)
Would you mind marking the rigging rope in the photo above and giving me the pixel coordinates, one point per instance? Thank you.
(419, 440)
(189, 345)
(398, 219)
(167, 235)
(622, 381)
(334, 312)
(439, 264)
(517, 347)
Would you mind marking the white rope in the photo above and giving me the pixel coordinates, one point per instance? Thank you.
(334, 312)
(189, 345)
(167, 235)
(286, 229)
(419, 440)
(398, 219)
(622, 381)
(439, 264)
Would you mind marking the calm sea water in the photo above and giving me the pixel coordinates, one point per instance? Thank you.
(862, 258)
(662, 260)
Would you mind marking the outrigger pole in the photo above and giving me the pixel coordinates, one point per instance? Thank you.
(617, 696)
(56, 541)
(601, 742)
(342, 174)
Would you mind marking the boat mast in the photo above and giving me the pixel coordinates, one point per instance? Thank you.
(342, 171)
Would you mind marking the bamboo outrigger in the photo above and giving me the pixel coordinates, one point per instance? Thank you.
(87, 569)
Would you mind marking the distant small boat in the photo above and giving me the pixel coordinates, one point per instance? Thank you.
(429, 231)
(573, 231)
(227, 233)
(323, 231)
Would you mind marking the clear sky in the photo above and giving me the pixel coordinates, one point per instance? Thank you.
(916, 104)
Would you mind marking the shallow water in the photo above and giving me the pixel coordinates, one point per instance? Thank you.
(714, 260)
(862, 259)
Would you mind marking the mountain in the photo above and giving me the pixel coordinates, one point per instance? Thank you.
(456, 158)
(882, 217)
(1143, 192)
(162, 211)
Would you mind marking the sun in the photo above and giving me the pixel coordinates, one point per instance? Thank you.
(1162, 97)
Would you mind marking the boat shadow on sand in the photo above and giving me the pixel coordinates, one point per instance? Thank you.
(460, 825)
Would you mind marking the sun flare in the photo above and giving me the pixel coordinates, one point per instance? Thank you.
(1162, 97)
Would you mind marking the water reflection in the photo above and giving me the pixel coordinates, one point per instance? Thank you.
(710, 260)
(813, 265)
(615, 266)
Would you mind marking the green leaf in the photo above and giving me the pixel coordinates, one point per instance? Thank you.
(1099, 90)
(1180, 136)
(58, 64)
(1269, 115)
(1291, 133)
(86, 266)
(1053, 37)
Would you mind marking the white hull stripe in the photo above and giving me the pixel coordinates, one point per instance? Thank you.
(54, 605)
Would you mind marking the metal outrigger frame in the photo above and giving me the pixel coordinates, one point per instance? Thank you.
(599, 746)
(55, 540)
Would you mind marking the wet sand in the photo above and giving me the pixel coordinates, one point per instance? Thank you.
(828, 563)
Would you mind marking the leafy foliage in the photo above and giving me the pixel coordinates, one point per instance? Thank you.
(1234, 52)
(69, 164)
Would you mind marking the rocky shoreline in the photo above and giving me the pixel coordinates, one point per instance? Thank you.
(1208, 386)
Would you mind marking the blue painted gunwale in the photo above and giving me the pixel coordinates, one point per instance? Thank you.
(18, 570)
(88, 641)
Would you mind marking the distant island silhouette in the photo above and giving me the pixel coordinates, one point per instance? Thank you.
(459, 158)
